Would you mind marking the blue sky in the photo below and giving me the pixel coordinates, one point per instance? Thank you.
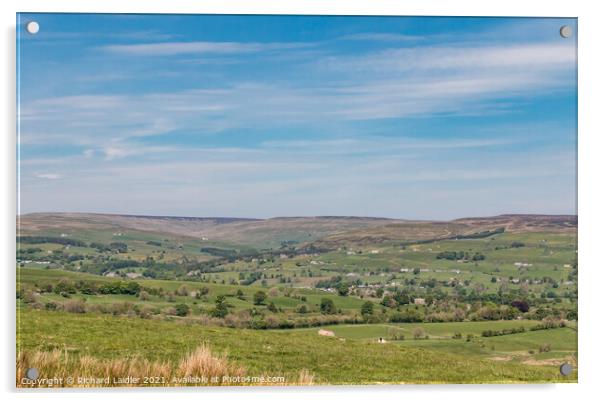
(263, 116)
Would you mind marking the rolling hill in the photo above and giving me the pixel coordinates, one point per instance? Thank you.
(323, 231)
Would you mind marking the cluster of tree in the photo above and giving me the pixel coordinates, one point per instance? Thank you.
(549, 323)
(120, 247)
(432, 290)
(50, 240)
(154, 269)
(495, 312)
(100, 247)
(116, 264)
(555, 311)
(341, 285)
(231, 255)
(399, 297)
(460, 255)
(118, 308)
(481, 234)
(312, 249)
(500, 297)
(221, 308)
(248, 279)
(67, 287)
(219, 252)
(262, 322)
(513, 245)
(407, 316)
(120, 287)
(503, 332)
(27, 251)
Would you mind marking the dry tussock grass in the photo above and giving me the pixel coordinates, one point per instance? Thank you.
(200, 363)
(305, 378)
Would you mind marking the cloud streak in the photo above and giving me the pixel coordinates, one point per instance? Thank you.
(540, 56)
(48, 176)
(378, 36)
(466, 81)
(187, 48)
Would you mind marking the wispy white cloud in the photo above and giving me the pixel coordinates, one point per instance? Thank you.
(384, 145)
(377, 36)
(178, 48)
(148, 34)
(123, 150)
(277, 185)
(91, 119)
(541, 56)
(391, 83)
(48, 176)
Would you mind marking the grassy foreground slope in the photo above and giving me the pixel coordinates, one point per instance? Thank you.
(329, 360)
(519, 347)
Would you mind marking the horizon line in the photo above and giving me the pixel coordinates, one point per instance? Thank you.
(301, 217)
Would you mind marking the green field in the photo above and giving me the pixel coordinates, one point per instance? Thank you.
(563, 341)
(331, 360)
(404, 302)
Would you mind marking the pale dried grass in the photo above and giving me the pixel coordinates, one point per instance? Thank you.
(200, 363)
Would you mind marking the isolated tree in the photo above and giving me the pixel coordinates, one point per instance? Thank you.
(65, 286)
(221, 307)
(522, 306)
(367, 309)
(419, 333)
(343, 289)
(182, 309)
(259, 298)
(302, 309)
(327, 307)
(182, 291)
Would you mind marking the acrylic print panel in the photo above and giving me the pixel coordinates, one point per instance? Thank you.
(295, 200)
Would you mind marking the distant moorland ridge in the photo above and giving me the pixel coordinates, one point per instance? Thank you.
(327, 231)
